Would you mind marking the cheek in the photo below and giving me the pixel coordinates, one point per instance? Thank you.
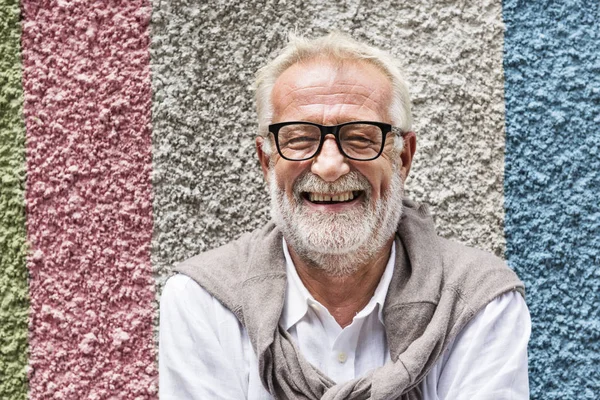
(381, 190)
(380, 180)
(287, 173)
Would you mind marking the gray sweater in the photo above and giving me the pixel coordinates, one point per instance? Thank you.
(437, 288)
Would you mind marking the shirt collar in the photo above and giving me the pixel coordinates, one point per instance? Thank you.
(297, 297)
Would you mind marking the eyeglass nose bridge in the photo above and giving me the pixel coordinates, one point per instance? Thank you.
(330, 130)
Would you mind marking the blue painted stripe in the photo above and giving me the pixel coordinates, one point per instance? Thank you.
(552, 187)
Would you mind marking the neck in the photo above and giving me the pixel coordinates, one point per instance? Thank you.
(343, 295)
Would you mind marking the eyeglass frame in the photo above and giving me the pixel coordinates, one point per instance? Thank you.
(335, 131)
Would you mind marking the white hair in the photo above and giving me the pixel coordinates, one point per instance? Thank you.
(335, 46)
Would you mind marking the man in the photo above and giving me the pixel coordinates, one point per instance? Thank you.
(348, 293)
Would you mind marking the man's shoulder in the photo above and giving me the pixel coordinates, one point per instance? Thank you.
(180, 291)
(457, 254)
(183, 299)
(222, 270)
(448, 264)
(471, 270)
(234, 254)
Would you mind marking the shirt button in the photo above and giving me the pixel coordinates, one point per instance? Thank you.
(342, 357)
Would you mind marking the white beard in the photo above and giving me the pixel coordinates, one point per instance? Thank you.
(338, 243)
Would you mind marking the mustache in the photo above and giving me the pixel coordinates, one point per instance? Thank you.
(352, 181)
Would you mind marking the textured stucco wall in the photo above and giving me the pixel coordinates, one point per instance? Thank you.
(552, 187)
(14, 305)
(87, 90)
(95, 222)
(207, 184)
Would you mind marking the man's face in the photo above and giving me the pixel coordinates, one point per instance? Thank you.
(303, 193)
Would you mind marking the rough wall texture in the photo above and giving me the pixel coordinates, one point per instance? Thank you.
(13, 274)
(89, 211)
(207, 184)
(89, 150)
(552, 186)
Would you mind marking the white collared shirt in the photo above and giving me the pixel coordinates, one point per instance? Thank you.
(205, 353)
(342, 354)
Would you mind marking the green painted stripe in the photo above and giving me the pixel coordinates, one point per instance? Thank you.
(14, 299)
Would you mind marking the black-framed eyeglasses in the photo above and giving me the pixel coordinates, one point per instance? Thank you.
(356, 140)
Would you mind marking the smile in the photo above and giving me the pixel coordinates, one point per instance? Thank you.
(331, 198)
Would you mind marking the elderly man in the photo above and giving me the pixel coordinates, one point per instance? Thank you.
(348, 293)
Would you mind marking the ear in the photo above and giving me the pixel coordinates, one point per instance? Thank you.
(263, 158)
(410, 147)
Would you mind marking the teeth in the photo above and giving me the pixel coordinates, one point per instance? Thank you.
(345, 196)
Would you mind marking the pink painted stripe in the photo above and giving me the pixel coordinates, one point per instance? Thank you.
(87, 108)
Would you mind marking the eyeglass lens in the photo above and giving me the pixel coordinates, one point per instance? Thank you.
(301, 141)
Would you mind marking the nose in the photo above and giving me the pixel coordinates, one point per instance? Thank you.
(330, 164)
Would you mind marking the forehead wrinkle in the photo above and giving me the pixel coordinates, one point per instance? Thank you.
(347, 97)
(342, 110)
(356, 94)
(331, 88)
(335, 98)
